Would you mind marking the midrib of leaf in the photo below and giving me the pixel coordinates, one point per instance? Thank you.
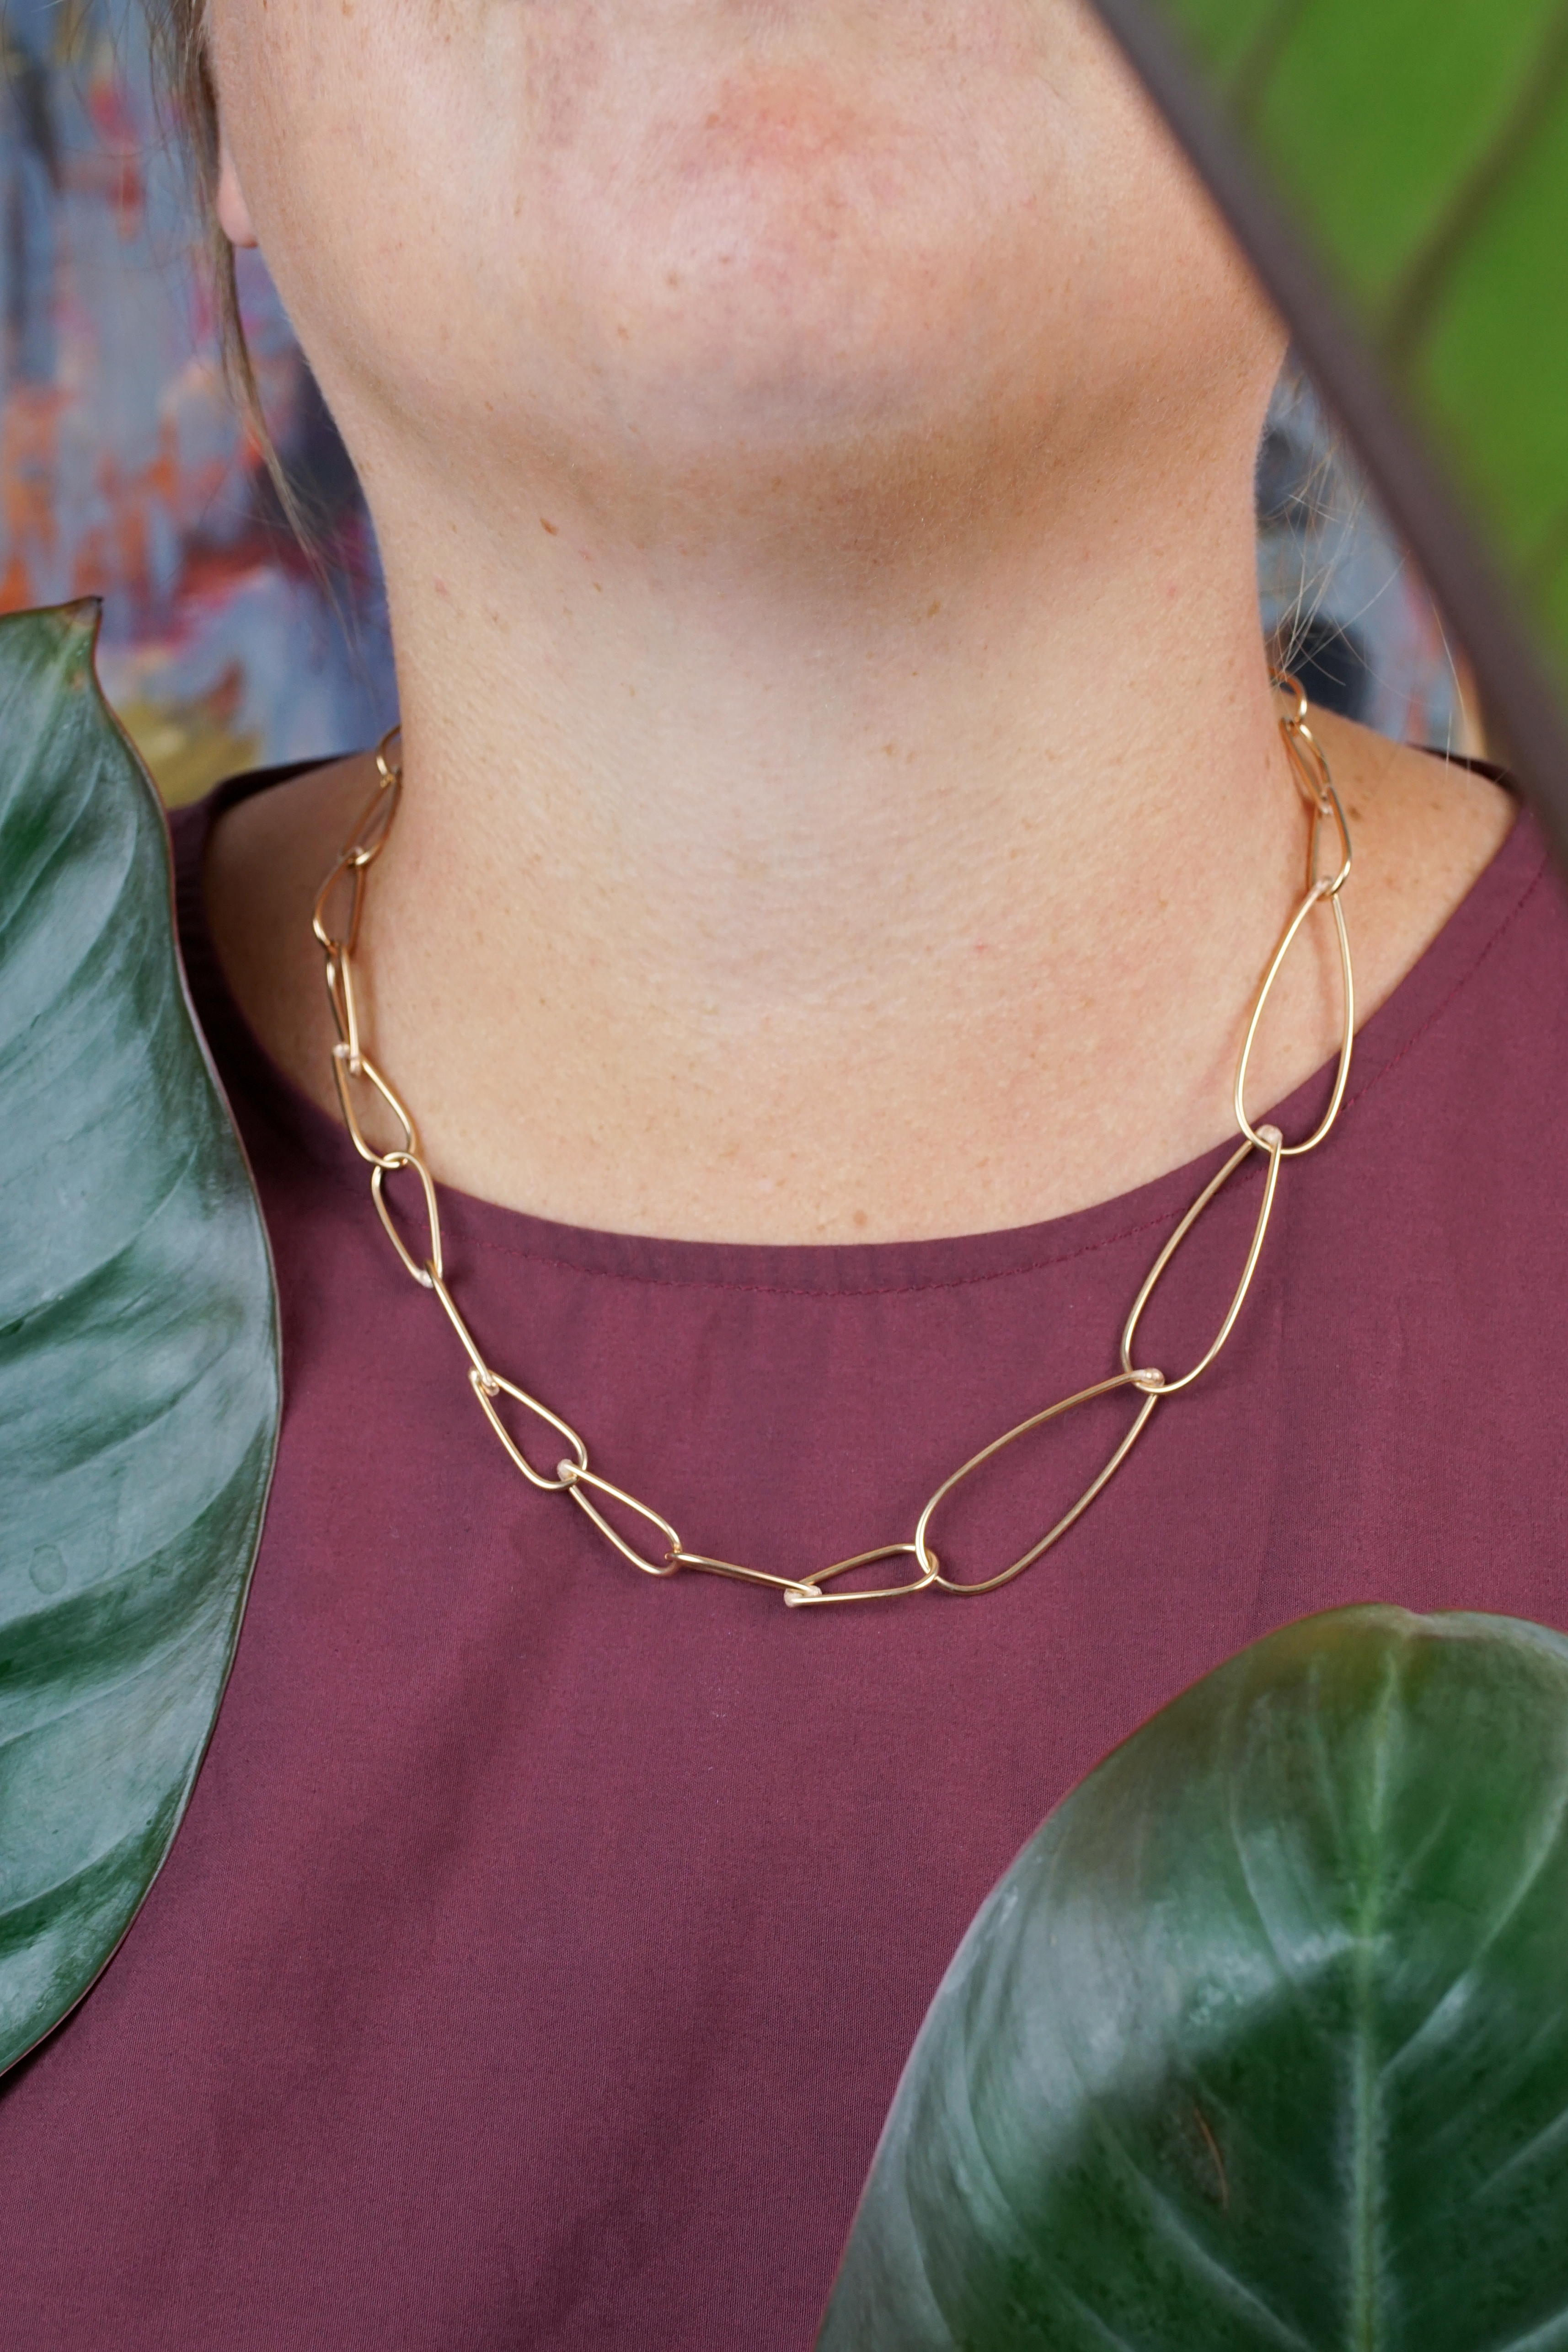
(1366, 2118)
(1250, 82)
(1412, 307)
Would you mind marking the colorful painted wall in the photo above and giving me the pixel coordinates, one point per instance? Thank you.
(124, 470)
(125, 474)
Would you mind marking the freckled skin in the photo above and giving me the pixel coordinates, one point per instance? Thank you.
(811, 446)
(710, 249)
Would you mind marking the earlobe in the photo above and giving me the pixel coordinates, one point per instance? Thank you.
(233, 212)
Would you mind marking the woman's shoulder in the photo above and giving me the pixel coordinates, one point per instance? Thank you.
(1465, 1037)
(1425, 829)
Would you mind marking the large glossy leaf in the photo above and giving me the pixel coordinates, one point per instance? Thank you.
(139, 1375)
(1399, 172)
(1264, 2040)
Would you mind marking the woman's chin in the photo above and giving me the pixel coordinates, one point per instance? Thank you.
(783, 268)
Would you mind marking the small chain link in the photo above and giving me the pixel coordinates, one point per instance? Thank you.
(359, 1080)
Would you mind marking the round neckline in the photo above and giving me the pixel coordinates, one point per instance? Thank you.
(1440, 973)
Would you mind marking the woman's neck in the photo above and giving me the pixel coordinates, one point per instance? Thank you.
(892, 894)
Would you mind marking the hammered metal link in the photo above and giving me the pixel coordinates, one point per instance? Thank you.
(351, 871)
(1151, 1387)
(812, 1596)
(480, 1371)
(353, 1068)
(574, 1478)
(343, 999)
(1320, 892)
(486, 1386)
(426, 1271)
(732, 1569)
(368, 1075)
(1270, 1141)
(1311, 770)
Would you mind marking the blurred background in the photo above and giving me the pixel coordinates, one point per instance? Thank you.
(125, 473)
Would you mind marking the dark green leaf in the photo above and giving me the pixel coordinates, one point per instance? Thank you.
(139, 1376)
(1264, 2040)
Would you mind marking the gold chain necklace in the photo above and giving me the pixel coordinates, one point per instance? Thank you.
(353, 1069)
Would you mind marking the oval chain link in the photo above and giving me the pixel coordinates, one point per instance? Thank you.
(1149, 1384)
(1270, 1141)
(429, 1270)
(1315, 784)
(353, 1068)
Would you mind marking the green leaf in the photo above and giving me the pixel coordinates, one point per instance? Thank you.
(1399, 173)
(1262, 2042)
(138, 1360)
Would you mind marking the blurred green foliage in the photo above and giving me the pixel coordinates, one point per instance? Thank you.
(1424, 153)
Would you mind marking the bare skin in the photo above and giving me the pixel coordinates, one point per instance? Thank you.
(812, 447)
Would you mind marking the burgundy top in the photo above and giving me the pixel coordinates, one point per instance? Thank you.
(538, 1960)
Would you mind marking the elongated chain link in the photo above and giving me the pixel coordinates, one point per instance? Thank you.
(560, 1462)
